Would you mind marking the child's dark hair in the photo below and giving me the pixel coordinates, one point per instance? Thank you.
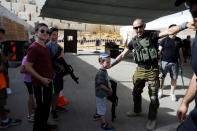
(40, 25)
(102, 57)
(52, 29)
(26, 46)
(2, 31)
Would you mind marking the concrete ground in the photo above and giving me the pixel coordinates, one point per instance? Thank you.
(82, 98)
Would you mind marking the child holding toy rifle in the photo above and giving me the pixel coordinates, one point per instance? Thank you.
(67, 68)
(102, 91)
(57, 82)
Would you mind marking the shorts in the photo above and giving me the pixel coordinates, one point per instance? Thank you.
(58, 82)
(101, 105)
(171, 67)
(3, 97)
(29, 87)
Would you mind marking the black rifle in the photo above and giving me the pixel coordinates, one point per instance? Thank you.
(114, 99)
(67, 68)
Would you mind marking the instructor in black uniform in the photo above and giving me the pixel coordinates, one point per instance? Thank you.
(144, 47)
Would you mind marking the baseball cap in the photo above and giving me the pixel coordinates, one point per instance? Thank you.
(104, 56)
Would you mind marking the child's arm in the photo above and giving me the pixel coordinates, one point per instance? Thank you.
(22, 69)
(106, 89)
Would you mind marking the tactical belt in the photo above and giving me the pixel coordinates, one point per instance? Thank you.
(147, 66)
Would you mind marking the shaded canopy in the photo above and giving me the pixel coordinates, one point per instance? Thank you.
(110, 12)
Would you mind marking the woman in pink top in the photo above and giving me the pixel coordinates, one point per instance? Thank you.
(27, 81)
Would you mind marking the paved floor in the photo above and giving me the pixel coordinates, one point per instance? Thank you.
(82, 98)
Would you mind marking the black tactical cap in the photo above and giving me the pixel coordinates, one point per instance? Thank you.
(179, 2)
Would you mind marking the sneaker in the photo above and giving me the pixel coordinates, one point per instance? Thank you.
(61, 109)
(132, 114)
(151, 125)
(160, 94)
(173, 97)
(55, 115)
(96, 117)
(10, 123)
(107, 127)
(9, 91)
(30, 118)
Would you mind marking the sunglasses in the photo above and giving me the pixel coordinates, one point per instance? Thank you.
(44, 31)
(138, 27)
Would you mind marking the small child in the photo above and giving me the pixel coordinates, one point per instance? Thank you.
(102, 91)
(27, 81)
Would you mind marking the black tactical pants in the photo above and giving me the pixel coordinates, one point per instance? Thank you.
(141, 76)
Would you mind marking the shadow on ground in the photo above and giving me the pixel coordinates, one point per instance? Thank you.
(178, 87)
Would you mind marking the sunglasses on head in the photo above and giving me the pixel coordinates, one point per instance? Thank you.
(44, 31)
(138, 27)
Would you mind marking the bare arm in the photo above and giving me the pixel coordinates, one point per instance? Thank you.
(189, 96)
(123, 54)
(160, 50)
(181, 57)
(22, 69)
(176, 29)
(30, 69)
(170, 31)
(105, 88)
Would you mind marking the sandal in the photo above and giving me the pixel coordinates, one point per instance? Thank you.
(107, 127)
